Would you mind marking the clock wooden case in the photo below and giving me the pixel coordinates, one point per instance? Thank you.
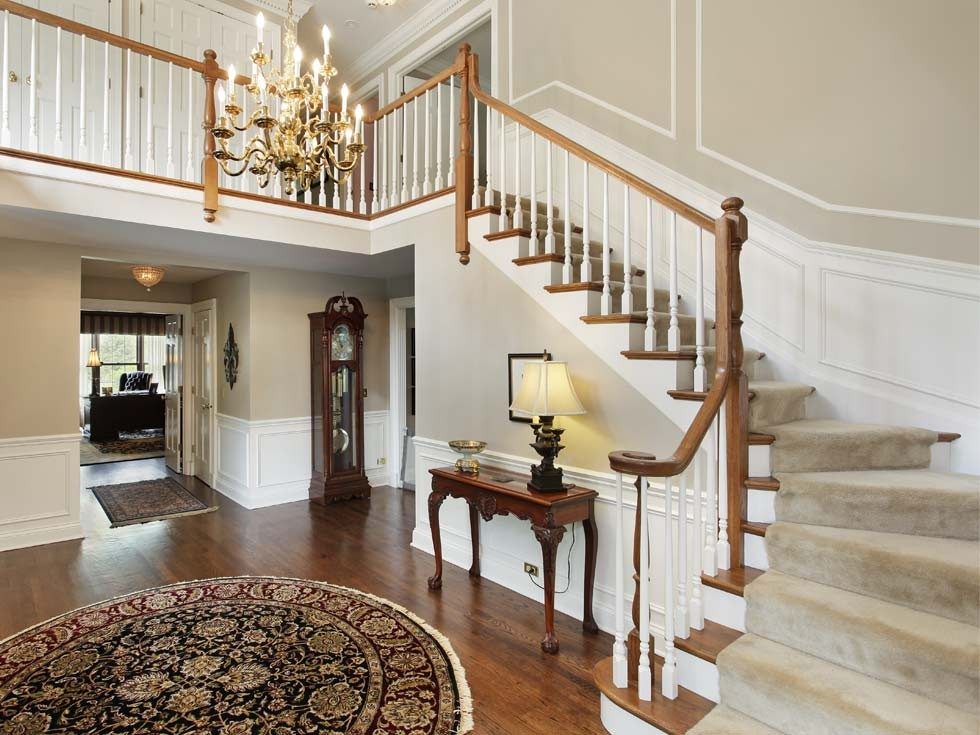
(337, 346)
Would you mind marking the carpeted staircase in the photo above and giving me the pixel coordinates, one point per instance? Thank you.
(868, 620)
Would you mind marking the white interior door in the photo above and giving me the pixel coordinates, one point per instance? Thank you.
(173, 371)
(203, 394)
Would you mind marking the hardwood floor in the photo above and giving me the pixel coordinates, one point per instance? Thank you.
(517, 689)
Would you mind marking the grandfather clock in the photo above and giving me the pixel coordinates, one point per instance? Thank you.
(337, 345)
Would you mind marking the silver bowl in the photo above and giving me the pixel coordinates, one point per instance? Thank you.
(468, 448)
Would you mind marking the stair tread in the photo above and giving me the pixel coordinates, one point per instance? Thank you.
(869, 635)
(724, 720)
(934, 575)
(782, 687)
(708, 643)
(913, 501)
(756, 528)
(762, 483)
(658, 355)
(672, 716)
(687, 395)
(732, 580)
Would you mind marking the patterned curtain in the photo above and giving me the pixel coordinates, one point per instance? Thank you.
(118, 322)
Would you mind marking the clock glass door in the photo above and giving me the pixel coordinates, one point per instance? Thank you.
(344, 426)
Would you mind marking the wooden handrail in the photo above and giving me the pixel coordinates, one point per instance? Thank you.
(635, 183)
(418, 91)
(97, 34)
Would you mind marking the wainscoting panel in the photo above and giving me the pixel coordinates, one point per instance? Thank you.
(263, 463)
(39, 490)
(507, 542)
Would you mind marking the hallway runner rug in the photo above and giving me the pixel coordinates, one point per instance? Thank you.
(148, 500)
(241, 655)
(130, 445)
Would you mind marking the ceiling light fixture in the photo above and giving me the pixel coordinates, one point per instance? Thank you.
(380, 3)
(147, 275)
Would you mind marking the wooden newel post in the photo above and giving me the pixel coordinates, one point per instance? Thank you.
(737, 397)
(209, 164)
(464, 159)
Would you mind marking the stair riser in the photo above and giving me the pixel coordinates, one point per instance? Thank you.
(755, 551)
(759, 460)
(723, 608)
(698, 675)
(761, 506)
(764, 412)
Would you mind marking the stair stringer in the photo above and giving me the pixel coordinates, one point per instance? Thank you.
(651, 378)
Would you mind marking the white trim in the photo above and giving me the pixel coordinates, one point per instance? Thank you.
(935, 219)
(39, 441)
(401, 37)
(205, 305)
(670, 132)
(397, 381)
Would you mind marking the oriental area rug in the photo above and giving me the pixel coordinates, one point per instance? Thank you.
(242, 656)
(147, 500)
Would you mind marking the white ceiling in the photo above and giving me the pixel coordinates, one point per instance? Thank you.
(347, 43)
(175, 273)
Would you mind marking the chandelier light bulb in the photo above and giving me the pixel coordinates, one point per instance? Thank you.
(232, 73)
(221, 96)
(344, 94)
(325, 32)
(317, 66)
(297, 58)
(260, 24)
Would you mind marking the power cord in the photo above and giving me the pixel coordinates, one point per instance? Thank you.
(568, 577)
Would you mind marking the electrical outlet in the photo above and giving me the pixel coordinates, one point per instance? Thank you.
(532, 569)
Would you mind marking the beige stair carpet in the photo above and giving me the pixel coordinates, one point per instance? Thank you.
(724, 720)
(925, 654)
(818, 445)
(799, 694)
(917, 502)
(776, 402)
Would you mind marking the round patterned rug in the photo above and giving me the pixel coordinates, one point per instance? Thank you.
(237, 656)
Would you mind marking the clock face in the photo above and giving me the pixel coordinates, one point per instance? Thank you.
(342, 345)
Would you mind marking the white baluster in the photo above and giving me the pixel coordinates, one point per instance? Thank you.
(585, 274)
(362, 202)
(534, 193)
(59, 141)
(567, 274)
(683, 628)
(724, 548)
(650, 332)
(415, 148)
(668, 674)
(488, 191)
(106, 146)
(404, 195)
(245, 179)
(620, 673)
(700, 370)
(128, 162)
(475, 199)
(336, 177)
(451, 175)
(696, 611)
(438, 183)
(374, 176)
(394, 157)
(171, 167)
(502, 223)
(150, 164)
(644, 676)
(673, 330)
(189, 172)
(606, 302)
(83, 105)
(32, 84)
(384, 163)
(549, 237)
(5, 104)
(626, 305)
(426, 182)
(322, 194)
(709, 555)
(518, 217)
(349, 188)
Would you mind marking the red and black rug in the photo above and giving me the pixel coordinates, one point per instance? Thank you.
(242, 656)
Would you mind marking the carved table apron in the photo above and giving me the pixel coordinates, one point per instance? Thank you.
(495, 492)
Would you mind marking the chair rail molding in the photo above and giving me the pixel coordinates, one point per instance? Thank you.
(40, 490)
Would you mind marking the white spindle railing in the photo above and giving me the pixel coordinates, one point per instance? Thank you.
(700, 370)
(149, 164)
(488, 193)
(585, 273)
(33, 143)
(626, 305)
(567, 275)
(439, 172)
(681, 623)
(374, 166)
(673, 329)
(668, 674)
(709, 554)
(695, 608)
(518, 219)
(723, 546)
(171, 166)
(606, 301)
(416, 191)
(106, 132)
(502, 220)
(644, 673)
(475, 198)
(549, 237)
(426, 181)
(451, 176)
(620, 672)
(59, 141)
(534, 193)
(83, 105)
(384, 122)
(5, 136)
(650, 330)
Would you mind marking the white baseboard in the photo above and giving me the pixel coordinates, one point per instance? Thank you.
(40, 490)
(268, 462)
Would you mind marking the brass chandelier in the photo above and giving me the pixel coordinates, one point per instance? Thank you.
(295, 134)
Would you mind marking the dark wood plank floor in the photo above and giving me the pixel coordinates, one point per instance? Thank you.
(517, 689)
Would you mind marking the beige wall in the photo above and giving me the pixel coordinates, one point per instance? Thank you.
(39, 323)
(806, 108)
(231, 292)
(127, 289)
(280, 303)
(468, 320)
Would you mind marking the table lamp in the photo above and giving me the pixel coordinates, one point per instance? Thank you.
(94, 362)
(546, 391)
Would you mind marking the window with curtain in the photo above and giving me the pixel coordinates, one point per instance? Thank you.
(120, 353)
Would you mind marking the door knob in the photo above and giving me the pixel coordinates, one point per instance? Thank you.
(28, 80)
(12, 77)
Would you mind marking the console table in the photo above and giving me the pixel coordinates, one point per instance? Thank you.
(108, 415)
(495, 492)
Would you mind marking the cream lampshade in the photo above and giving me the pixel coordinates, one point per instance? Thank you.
(94, 361)
(546, 391)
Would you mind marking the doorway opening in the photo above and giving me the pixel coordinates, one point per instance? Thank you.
(402, 391)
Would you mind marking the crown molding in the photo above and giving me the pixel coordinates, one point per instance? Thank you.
(400, 38)
(300, 7)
